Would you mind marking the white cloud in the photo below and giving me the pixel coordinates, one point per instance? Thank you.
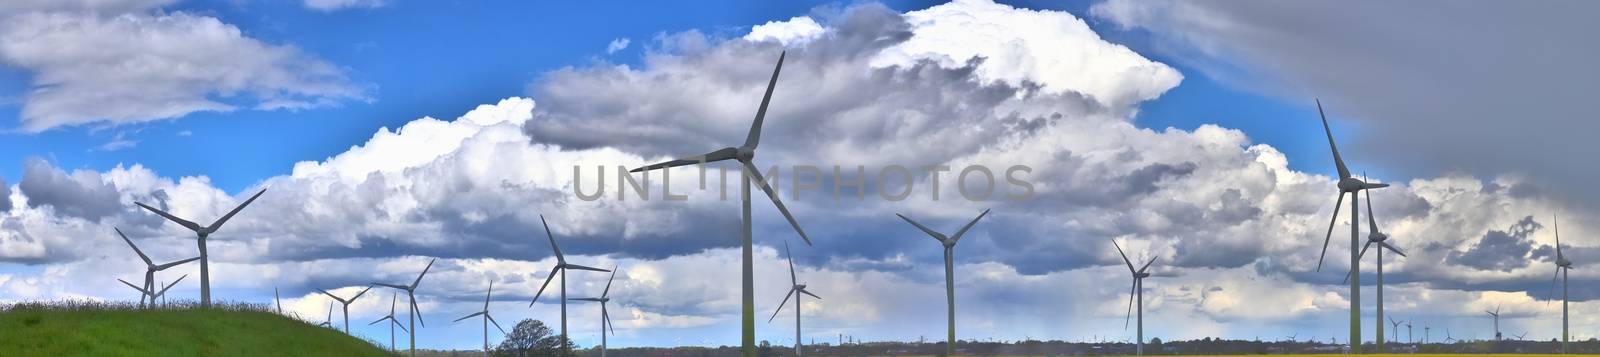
(617, 45)
(335, 5)
(795, 31)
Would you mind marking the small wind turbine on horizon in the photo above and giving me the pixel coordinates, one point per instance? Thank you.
(328, 322)
(1396, 328)
(202, 232)
(795, 288)
(487, 318)
(561, 268)
(345, 304)
(415, 314)
(605, 316)
(745, 154)
(393, 297)
(1352, 186)
(1562, 267)
(949, 243)
(1137, 292)
(150, 270)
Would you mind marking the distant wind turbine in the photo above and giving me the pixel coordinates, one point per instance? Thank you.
(153, 295)
(411, 297)
(1496, 315)
(1410, 337)
(393, 297)
(345, 304)
(561, 268)
(745, 154)
(605, 316)
(1562, 267)
(202, 232)
(487, 318)
(1350, 185)
(1137, 292)
(949, 243)
(150, 268)
(795, 288)
(1447, 337)
(1396, 324)
(328, 322)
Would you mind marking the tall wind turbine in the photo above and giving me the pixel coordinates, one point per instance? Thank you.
(392, 322)
(1137, 292)
(487, 318)
(1377, 237)
(561, 267)
(605, 316)
(1350, 185)
(949, 243)
(1562, 266)
(411, 297)
(797, 287)
(1496, 315)
(745, 154)
(150, 267)
(345, 304)
(202, 232)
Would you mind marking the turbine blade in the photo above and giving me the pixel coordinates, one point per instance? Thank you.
(1147, 264)
(580, 267)
(487, 294)
(379, 320)
(496, 323)
(141, 290)
(803, 291)
(963, 231)
(416, 310)
(1329, 236)
(1364, 247)
(607, 291)
(1557, 222)
(135, 247)
(1131, 292)
(185, 223)
(792, 279)
(1553, 282)
(553, 246)
(547, 280)
(586, 299)
(358, 295)
(714, 156)
(424, 273)
(467, 317)
(1344, 173)
(1124, 256)
(169, 286)
(1391, 248)
(325, 292)
(224, 219)
(176, 263)
(754, 138)
(396, 323)
(605, 317)
(761, 182)
(1372, 222)
(924, 229)
(780, 305)
(401, 287)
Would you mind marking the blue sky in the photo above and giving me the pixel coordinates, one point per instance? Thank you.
(521, 89)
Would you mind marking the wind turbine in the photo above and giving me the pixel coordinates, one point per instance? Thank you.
(1496, 315)
(392, 322)
(797, 287)
(162, 294)
(1562, 267)
(487, 318)
(1521, 335)
(202, 232)
(605, 316)
(1136, 293)
(561, 267)
(345, 304)
(143, 293)
(1425, 333)
(1411, 338)
(1396, 324)
(1291, 337)
(150, 268)
(411, 296)
(329, 321)
(1350, 185)
(1377, 237)
(745, 154)
(1447, 337)
(949, 243)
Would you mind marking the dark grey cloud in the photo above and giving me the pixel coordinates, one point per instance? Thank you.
(5, 195)
(1501, 250)
(82, 194)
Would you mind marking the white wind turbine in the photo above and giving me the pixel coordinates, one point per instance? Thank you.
(394, 297)
(150, 268)
(1351, 185)
(487, 318)
(745, 154)
(1137, 292)
(1562, 266)
(797, 287)
(202, 232)
(949, 243)
(411, 297)
(153, 295)
(345, 304)
(561, 268)
(328, 322)
(605, 316)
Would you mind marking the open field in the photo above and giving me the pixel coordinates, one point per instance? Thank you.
(120, 329)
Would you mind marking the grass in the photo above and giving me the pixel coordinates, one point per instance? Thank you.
(89, 328)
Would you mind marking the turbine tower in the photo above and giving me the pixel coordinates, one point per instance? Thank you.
(1350, 185)
(1136, 293)
(605, 316)
(150, 268)
(487, 318)
(1377, 237)
(1496, 315)
(392, 322)
(345, 304)
(949, 243)
(1562, 266)
(745, 154)
(796, 287)
(561, 267)
(411, 296)
(202, 232)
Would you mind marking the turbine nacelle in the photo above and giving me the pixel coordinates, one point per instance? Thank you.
(1141, 275)
(1377, 236)
(1352, 184)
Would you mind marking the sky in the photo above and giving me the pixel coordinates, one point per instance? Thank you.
(391, 133)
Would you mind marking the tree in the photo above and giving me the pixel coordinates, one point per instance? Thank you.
(532, 338)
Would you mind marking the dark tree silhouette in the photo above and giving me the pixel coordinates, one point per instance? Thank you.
(532, 338)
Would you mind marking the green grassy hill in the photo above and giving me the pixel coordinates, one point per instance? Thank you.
(94, 329)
